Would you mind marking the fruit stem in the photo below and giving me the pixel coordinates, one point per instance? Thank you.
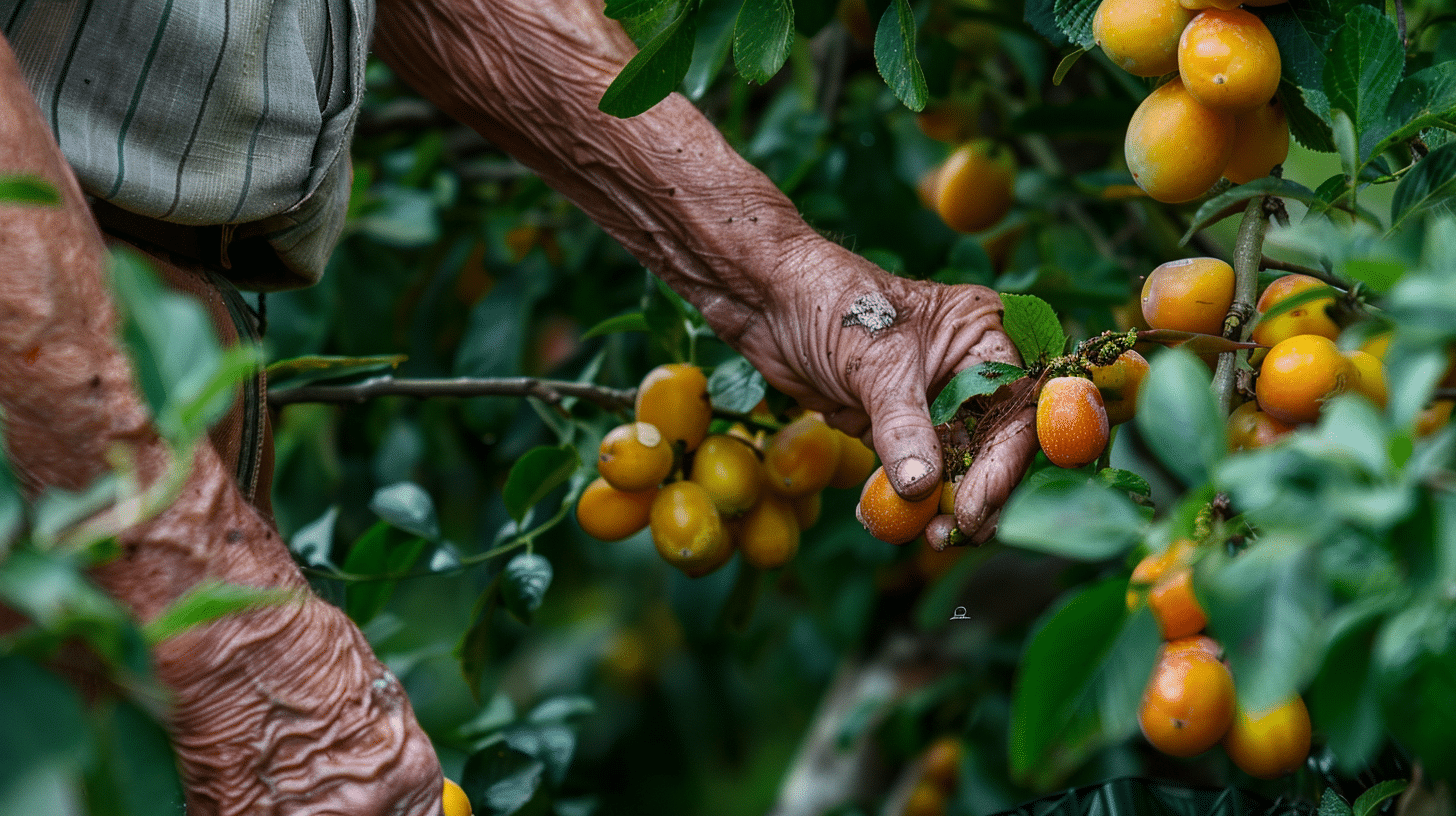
(1248, 253)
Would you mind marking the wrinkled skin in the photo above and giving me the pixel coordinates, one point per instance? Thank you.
(669, 188)
(284, 710)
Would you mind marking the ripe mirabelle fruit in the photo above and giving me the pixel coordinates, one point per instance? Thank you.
(1188, 703)
(974, 187)
(1261, 142)
(609, 514)
(687, 530)
(802, 457)
(1309, 317)
(768, 534)
(1200, 5)
(634, 457)
(454, 801)
(1175, 607)
(1434, 417)
(887, 516)
(1118, 382)
(1228, 60)
(856, 462)
(1176, 149)
(1369, 377)
(1141, 36)
(1189, 294)
(730, 471)
(1198, 643)
(948, 120)
(1298, 375)
(926, 799)
(1071, 423)
(1154, 566)
(1271, 744)
(674, 397)
(1250, 428)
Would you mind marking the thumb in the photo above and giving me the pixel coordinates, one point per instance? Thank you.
(907, 443)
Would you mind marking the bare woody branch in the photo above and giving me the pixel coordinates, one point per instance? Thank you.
(552, 392)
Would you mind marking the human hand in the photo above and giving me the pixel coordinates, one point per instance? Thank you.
(869, 350)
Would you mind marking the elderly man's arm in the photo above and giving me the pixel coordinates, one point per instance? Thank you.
(281, 710)
(821, 323)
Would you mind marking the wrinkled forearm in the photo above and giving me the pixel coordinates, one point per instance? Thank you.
(528, 75)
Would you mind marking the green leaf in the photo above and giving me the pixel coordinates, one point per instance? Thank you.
(500, 779)
(523, 584)
(1225, 204)
(1072, 518)
(314, 542)
(1125, 481)
(553, 745)
(408, 507)
(978, 380)
(1332, 805)
(1308, 110)
(12, 506)
(1034, 327)
(1369, 802)
(1192, 342)
(25, 189)
(381, 552)
(1431, 183)
(137, 771)
(1422, 100)
(632, 321)
(1344, 697)
(656, 70)
(1065, 66)
(1063, 695)
(1041, 16)
(208, 601)
(1074, 17)
(474, 649)
(42, 726)
(628, 9)
(562, 709)
(736, 386)
(761, 38)
(714, 40)
(541, 470)
(297, 371)
(895, 55)
(1362, 68)
(1178, 416)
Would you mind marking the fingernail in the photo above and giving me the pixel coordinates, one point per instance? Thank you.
(912, 470)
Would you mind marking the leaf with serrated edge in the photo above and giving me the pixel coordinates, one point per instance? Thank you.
(978, 380)
(1363, 65)
(1430, 183)
(895, 55)
(1074, 17)
(1033, 326)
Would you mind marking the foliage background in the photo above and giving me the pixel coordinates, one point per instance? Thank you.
(628, 688)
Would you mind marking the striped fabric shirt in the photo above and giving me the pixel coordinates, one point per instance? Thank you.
(206, 112)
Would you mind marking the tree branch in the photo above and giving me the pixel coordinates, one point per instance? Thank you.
(1248, 252)
(552, 392)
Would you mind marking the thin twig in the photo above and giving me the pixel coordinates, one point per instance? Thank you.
(1285, 266)
(1248, 251)
(551, 392)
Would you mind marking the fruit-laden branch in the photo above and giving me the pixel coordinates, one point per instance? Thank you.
(1248, 253)
(551, 392)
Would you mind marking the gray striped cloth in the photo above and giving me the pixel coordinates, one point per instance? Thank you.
(206, 112)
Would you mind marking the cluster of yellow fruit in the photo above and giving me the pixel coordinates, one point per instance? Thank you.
(454, 801)
(706, 496)
(1302, 366)
(1075, 415)
(1189, 703)
(1218, 116)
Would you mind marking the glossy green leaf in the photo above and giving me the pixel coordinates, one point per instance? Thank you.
(314, 542)
(382, 551)
(736, 386)
(632, 321)
(978, 380)
(408, 507)
(540, 471)
(42, 726)
(1422, 100)
(1430, 184)
(524, 582)
(895, 55)
(627, 9)
(207, 602)
(716, 19)
(22, 189)
(1369, 803)
(761, 38)
(1332, 805)
(656, 70)
(136, 771)
(552, 745)
(1072, 518)
(1033, 327)
(1178, 417)
(1224, 204)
